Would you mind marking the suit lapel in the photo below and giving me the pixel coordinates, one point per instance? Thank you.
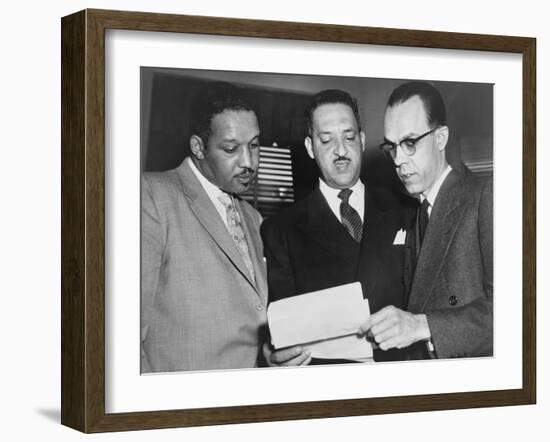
(208, 216)
(410, 258)
(375, 231)
(444, 220)
(322, 226)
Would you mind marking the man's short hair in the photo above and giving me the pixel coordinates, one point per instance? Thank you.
(330, 96)
(430, 96)
(213, 99)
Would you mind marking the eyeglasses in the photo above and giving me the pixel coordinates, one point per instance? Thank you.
(408, 145)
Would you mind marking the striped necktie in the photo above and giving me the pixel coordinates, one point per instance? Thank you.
(236, 231)
(350, 218)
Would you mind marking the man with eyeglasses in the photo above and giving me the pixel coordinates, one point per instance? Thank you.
(450, 265)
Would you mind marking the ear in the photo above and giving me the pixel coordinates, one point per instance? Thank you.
(442, 137)
(197, 147)
(309, 147)
(363, 139)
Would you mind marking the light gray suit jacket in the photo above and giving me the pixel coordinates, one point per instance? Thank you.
(200, 309)
(453, 280)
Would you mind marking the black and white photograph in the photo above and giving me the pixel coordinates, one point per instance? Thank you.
(275, 221)
(294, 220)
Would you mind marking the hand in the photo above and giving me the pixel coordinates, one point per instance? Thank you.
(394, 328)
(291, 356)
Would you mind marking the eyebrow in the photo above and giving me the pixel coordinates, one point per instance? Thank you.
(329, 132)
(409, 135)
(234, 140)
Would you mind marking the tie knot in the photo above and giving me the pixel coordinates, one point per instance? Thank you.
(424, 206)
(344, 194)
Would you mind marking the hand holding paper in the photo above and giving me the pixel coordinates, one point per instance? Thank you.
(324, 322)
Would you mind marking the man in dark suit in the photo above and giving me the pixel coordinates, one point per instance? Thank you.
(343, 231)
(450, 305)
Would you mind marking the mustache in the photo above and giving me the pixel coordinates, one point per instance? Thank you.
(246, 172)
(341, 158)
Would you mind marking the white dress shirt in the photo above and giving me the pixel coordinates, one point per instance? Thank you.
(432, 194)
(211, 190)
(356, 199)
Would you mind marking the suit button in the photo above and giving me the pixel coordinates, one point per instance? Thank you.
(453, 300)
(259, 307)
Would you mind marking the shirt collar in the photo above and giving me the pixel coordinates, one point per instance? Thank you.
(211, 190)
(358, 190)
(432, 194)
(356, 199)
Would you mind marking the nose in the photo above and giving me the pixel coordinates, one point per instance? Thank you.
(245, 160)
(340, 149)
(400, 156)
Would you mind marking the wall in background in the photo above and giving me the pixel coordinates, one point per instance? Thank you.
(280, 101)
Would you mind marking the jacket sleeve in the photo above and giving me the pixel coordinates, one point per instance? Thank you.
(152, 250)
(467, 331)
(280, 276)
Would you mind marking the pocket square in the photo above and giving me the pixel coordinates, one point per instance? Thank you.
(399, 239)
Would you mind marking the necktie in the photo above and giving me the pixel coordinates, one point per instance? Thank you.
(350, 218)
(422, 220)
(236, 231)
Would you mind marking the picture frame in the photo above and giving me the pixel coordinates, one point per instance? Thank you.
(83, 334)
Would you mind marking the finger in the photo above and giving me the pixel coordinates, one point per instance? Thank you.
(301, 359)
(386, 335)
(382, 314)
(364, 328)
(383, 326)
(267, 349)
(287, 354)
(395, 342)
(376, 318)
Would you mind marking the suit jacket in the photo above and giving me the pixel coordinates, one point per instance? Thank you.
(200, 309)
(453, 280)
(307, 249)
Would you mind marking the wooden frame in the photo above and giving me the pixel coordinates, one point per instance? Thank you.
(83, 220)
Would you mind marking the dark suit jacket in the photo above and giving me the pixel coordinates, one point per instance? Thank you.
(453, 280)
(308, 249)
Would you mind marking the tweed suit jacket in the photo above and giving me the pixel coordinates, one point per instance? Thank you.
(453, 280)
(200, 308)
(307, 249)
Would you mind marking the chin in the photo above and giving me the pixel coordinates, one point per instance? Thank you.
(415, 191)
(242, 188)
(345, 182)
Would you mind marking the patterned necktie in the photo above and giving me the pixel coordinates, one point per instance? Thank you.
(423, 219)
(350, 218)
(236, 230)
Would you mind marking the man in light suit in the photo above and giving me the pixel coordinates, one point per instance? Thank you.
(204, 289)
(343, 231)
(450, 305)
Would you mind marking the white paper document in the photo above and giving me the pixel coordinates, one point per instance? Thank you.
(326, 322)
